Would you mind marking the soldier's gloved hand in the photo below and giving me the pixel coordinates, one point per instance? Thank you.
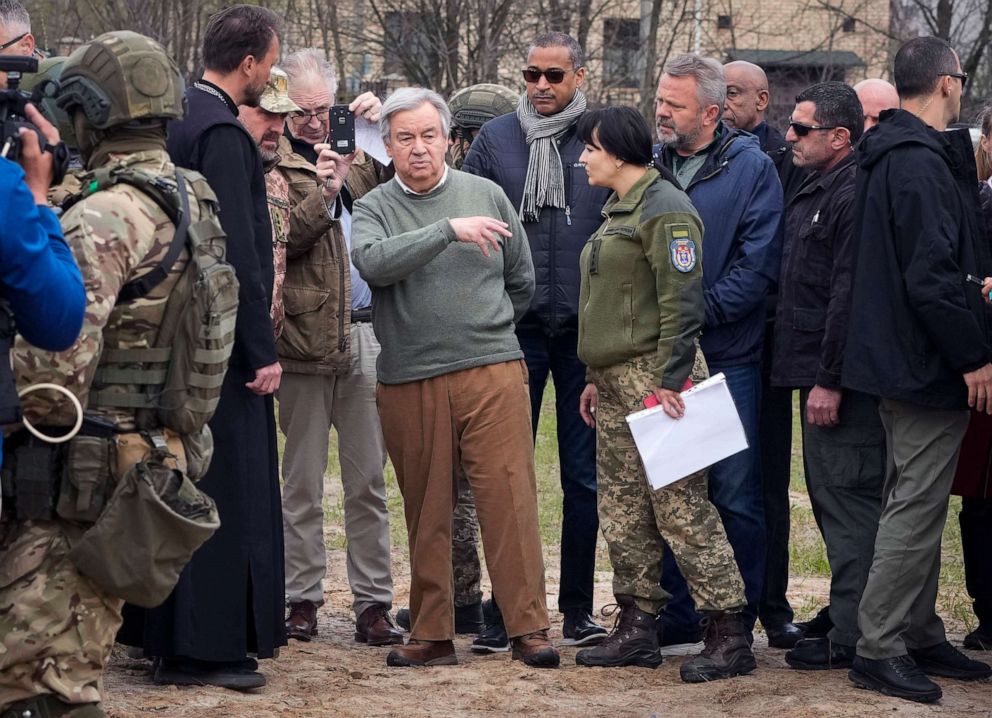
(588, 402)
(38, 165)
(366, 105)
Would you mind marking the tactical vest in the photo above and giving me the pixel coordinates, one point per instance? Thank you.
(181, 375)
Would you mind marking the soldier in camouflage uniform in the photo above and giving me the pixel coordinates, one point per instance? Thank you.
(57, 626)
(641, 310)
(265, 124)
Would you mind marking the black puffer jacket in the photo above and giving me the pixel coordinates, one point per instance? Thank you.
(500, 153)
(916, 325)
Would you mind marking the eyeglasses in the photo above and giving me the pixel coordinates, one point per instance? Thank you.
(554, 75)
(13, 42)
(802, 130)
(298, 117)
(963, 76)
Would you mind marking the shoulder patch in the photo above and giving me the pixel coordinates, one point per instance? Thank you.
(681, 246)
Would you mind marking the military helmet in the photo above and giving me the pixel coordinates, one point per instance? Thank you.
(49, 69)
(472, 107)
(121, 76)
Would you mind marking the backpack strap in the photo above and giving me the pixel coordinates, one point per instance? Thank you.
(140, 287)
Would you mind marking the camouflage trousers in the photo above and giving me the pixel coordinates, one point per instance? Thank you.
(637, 521)
(56, 626)
(465, 545)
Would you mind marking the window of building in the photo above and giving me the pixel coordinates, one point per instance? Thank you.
(724, 22)
(408, 46)
(849, 25)
(621, 52)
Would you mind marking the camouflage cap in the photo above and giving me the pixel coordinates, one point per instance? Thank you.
(119, 77)
(473, 106)
(275, 98)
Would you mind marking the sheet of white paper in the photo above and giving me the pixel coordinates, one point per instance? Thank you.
(710, 431)
(368, 139)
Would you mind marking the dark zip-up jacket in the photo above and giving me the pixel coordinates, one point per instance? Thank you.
(916, 325)
(500, 153)
(814, 300)
(739, 198)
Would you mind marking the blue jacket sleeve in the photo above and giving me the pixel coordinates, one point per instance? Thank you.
(39, 277)
(759, 252)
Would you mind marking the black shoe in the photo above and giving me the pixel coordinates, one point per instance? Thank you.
(237, 676)
(48, 705)
(899, 677)
(818, 626)
(819, 654)
(633, 641)
(671, 634)
(786, 635)
(403, 619)
(947, 661)
(578, 629)
(468, 619)
(493, 637)
(727, 651)
(980, 639)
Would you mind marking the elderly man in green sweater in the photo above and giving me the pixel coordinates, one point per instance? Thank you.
(450, 271)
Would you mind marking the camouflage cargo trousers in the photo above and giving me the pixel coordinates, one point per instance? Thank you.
(465, 546)
(56, 626)
(637, 521)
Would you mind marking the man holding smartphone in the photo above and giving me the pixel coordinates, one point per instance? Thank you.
(328, 352)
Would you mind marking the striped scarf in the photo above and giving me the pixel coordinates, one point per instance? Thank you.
(544, 185)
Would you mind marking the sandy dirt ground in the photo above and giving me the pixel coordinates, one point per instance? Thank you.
(334, 676)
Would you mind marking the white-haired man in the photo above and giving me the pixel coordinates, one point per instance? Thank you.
(452, 381)
(328, 350)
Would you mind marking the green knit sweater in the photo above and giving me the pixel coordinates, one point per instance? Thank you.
(439, 305)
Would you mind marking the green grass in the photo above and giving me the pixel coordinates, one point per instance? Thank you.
(807, 553)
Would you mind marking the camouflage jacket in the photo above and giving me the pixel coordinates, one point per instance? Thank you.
(116, 235)
(317, 290)
(277, 195)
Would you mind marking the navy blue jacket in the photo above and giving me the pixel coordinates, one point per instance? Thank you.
(500, 153)
(739, 198)
(38, 275)
(916, 326)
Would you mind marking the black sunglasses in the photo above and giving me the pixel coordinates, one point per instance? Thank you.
(555, 76)
(963, 76)
(802, 130)
(12, 42)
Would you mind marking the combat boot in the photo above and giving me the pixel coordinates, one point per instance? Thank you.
(726, 651)
(633, 641)
(50, 706)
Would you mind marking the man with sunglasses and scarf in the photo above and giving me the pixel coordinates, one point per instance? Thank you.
(843, 442)
(534, 156)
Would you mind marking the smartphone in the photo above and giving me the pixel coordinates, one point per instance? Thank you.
(342, 132)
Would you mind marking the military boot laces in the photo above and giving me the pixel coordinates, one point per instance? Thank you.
(726, 650)
(632, 642)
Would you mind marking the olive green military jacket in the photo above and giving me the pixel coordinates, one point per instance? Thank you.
(641, 288)
(316, 291)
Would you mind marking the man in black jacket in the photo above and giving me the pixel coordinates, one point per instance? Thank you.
(917, 339)
(229, 600)
(747, 100)
(534, 156)
(843, 441)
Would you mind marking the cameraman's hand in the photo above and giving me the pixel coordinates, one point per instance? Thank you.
(38, 165)
(332, 169)
(368, 106)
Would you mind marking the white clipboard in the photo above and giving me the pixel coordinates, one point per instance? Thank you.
(710, 431)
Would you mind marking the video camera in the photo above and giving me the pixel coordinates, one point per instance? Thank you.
(12, 113)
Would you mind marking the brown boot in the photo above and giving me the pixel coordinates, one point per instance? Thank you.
(633, 642)
(535, 650)
(423, 653)
(302, 621)
(375, 627)
(727, 651)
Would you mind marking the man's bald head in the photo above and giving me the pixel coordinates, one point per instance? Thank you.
(747, 95)
(876, 95)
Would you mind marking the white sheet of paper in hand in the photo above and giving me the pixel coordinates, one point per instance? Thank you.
(710, 431)
(368, 139)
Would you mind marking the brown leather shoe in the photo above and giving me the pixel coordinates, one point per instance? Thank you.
(423, 653)
(535, 650)
(375, 627)
(302, 621)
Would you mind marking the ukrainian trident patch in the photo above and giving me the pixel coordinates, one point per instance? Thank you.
(682, 247)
